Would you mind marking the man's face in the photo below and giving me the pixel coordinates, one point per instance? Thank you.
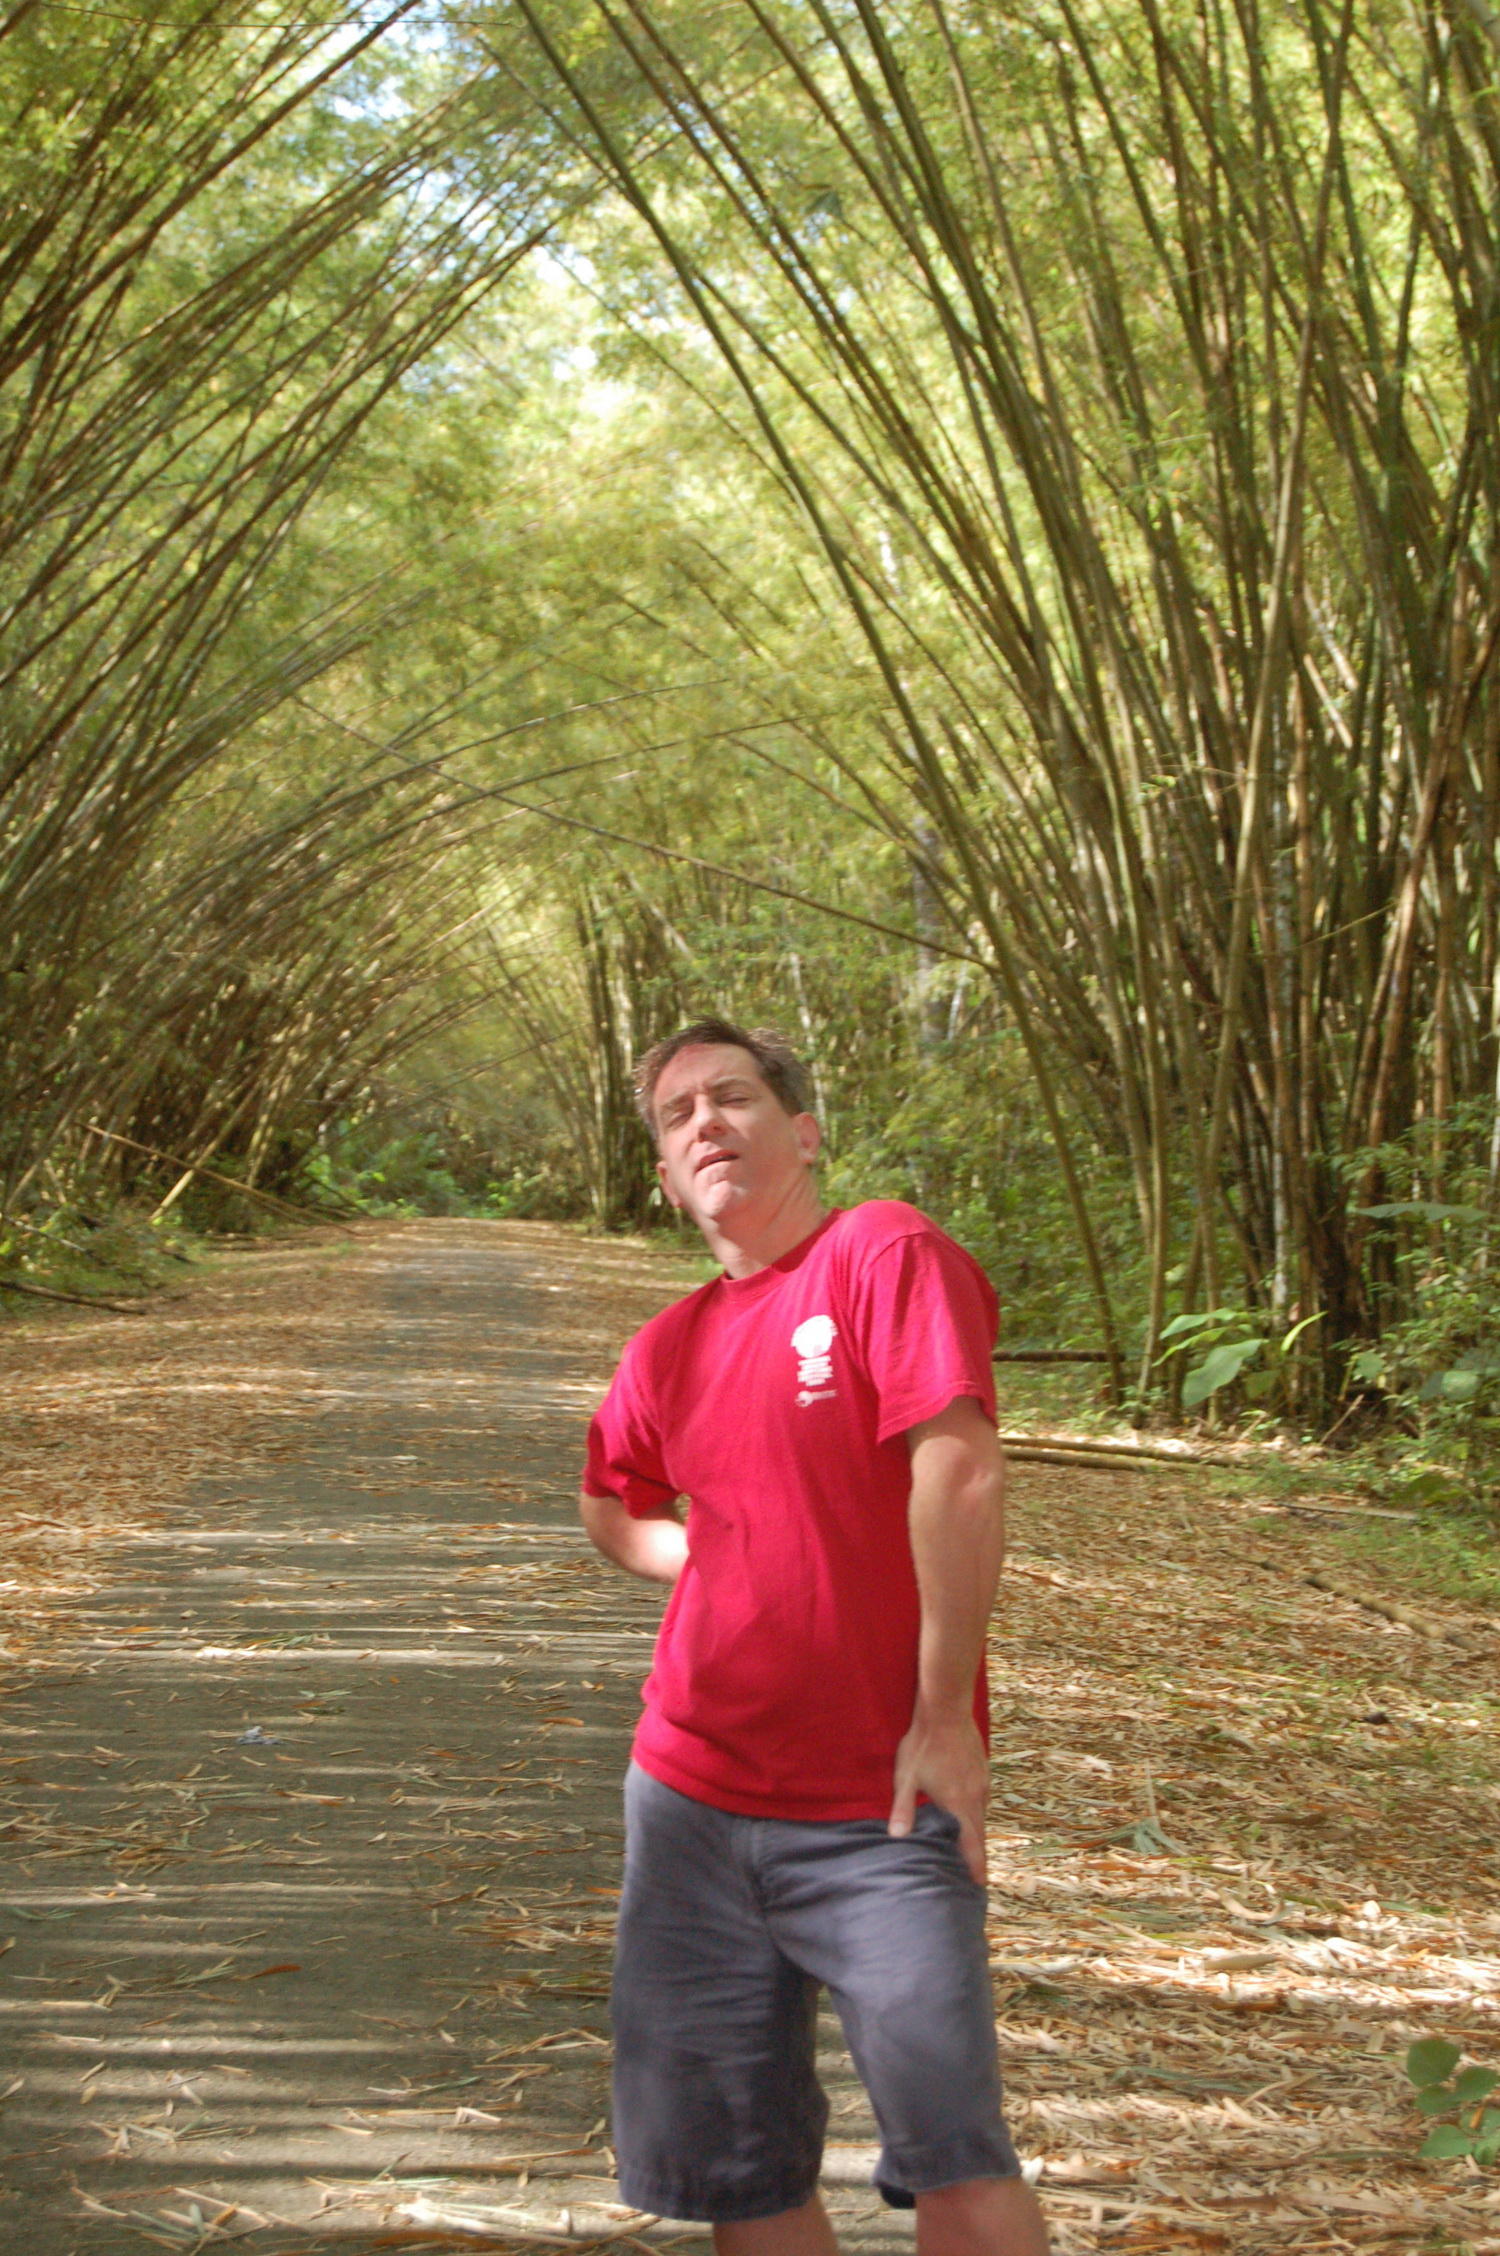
(731, 1155)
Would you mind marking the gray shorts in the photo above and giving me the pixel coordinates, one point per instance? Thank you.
(728, 1928)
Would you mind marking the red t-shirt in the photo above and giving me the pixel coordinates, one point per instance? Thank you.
(786, 1668)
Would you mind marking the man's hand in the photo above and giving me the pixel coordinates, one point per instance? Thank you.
(946, 1762)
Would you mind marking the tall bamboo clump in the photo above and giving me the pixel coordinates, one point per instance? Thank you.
(1159, 345)
(229, 242)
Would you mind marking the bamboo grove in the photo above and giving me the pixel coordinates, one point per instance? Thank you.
(1135, 370)
(218, 267)
(1034, 595)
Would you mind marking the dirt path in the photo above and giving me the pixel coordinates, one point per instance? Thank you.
(314, 1827)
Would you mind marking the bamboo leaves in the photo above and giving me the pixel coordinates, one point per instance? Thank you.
(1175, 409)
(232, 245)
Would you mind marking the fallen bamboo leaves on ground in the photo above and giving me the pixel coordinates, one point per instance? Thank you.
(1242, 1830)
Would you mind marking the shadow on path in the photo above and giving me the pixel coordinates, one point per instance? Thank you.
(313, 1868)
(312, 1831)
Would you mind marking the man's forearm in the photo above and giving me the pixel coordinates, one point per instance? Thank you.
(654, 1548)
(957, 1524)
(958, 1546)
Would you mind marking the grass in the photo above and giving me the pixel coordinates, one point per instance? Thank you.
(1446, 1544)
(1446, 1553)
(1053, 1397)
(118, 1255)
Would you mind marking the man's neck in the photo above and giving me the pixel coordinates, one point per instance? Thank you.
(761, 1246)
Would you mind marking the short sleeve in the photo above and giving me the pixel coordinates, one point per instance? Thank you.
(925, 1323)
(624, 1448)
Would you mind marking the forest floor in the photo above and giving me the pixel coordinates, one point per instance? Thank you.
(314, 1716)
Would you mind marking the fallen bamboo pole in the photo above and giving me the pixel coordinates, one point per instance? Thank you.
(1049, 1355)
(1421, 1625)
(1045, 1449)
(191, 1167)
(76, 1300)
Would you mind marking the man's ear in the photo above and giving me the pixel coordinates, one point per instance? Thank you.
(661, 1177)
(809, 1135)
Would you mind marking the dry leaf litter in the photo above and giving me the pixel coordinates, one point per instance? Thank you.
(316, 1712)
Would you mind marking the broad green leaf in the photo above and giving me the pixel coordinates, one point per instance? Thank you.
(1221, 1365)
(1474, 2084)
(1368, 1367)
(1430, 2060)
(1446, 2143)
(1436, 2100)
(1198, 1320)
(1452, 1386)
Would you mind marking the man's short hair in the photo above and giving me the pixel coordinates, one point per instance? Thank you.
(780, 1067)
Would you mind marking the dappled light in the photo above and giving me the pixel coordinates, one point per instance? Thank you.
(968, 533)
(312, 1826)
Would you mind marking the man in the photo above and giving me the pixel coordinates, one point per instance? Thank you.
(806, 1803)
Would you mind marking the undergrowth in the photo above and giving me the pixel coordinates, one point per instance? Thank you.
(98, 1256)
(1447, 1554)
(119, 1254)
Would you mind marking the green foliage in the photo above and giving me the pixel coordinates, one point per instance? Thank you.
(1043, 452)
(535, 1193)
(957, 1130)
(1443, 2088)
(1436, 1361)
(1436, 1364)
(404, 1156)
(105, 1248)
(224, 903)
(479, 681)
(400, 1174)
(1451, 1550)
(1233, 1343)
(1230, 1347)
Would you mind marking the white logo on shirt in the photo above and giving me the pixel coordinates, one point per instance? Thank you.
(812, 1339)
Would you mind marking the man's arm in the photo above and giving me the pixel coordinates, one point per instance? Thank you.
(957, 1520)
(655, 1548)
